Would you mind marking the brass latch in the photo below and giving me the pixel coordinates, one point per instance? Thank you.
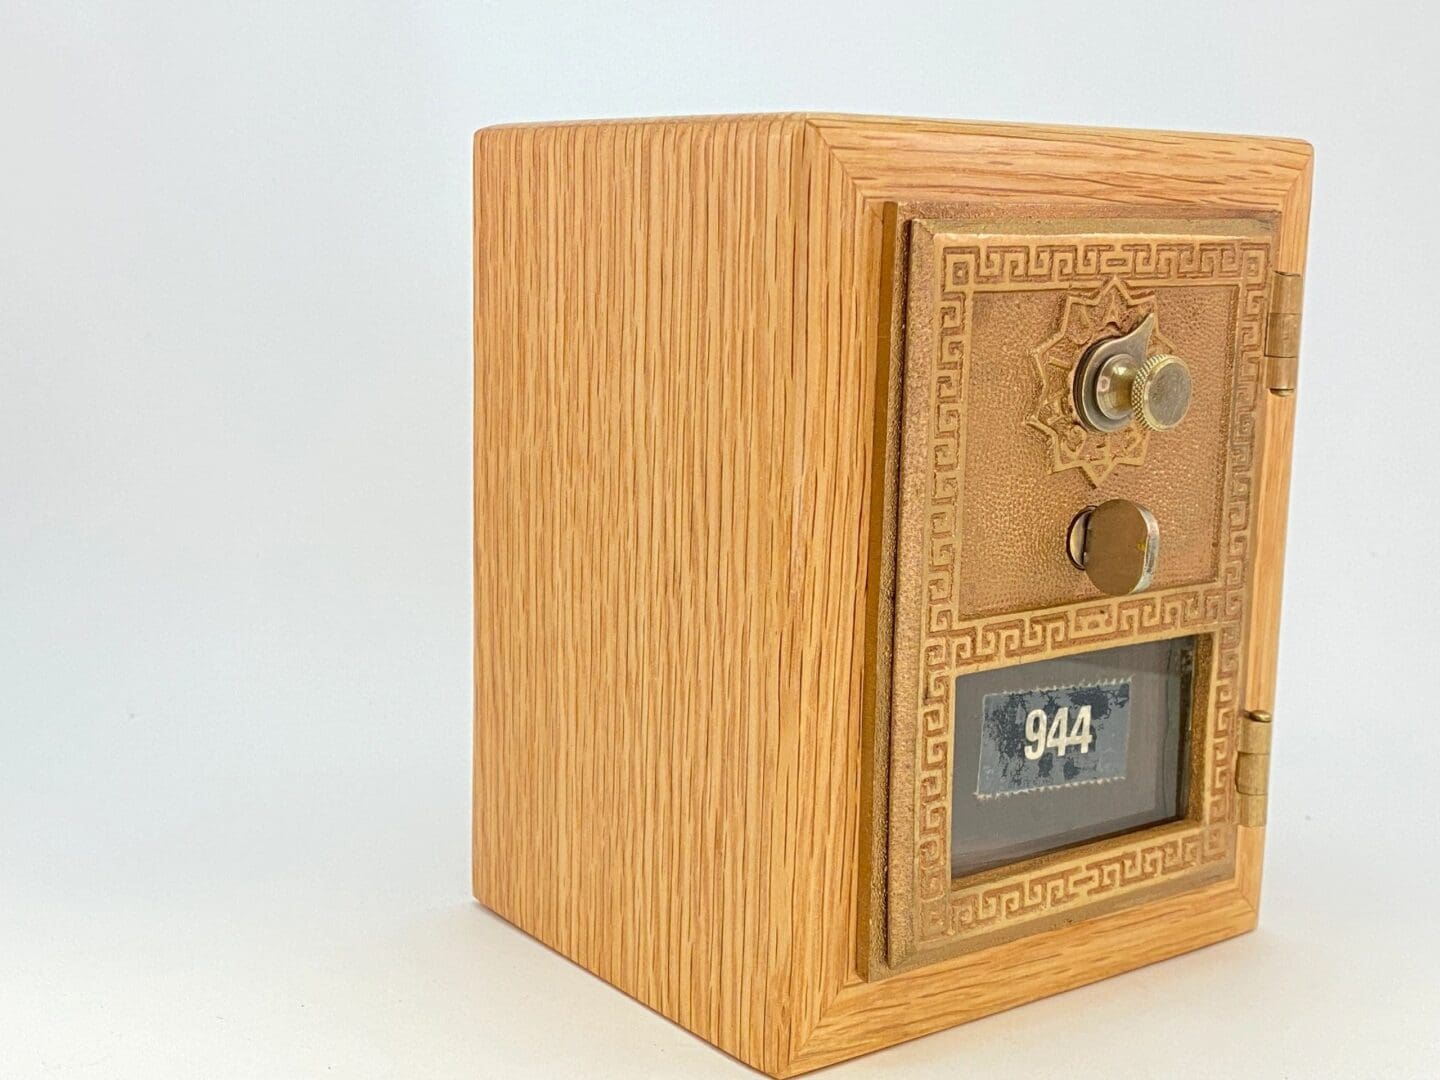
(1282, 332)
(1252, 767)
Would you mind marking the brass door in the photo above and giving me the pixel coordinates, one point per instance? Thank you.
(995, 830)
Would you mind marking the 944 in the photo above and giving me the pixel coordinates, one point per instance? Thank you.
(1059, 733)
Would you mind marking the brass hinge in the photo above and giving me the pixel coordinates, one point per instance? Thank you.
(1252, 767)
(1282, 332)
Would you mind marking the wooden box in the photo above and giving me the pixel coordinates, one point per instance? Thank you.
(782, 479)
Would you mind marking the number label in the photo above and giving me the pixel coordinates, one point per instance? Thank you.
(1053, 737)
(1045, 732)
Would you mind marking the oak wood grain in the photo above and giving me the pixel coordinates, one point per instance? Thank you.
(680, 473)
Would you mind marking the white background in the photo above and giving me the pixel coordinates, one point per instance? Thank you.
(235, 674)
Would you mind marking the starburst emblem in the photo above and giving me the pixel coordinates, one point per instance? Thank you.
(1109, 312)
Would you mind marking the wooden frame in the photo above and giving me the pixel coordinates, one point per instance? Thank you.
(686, 429)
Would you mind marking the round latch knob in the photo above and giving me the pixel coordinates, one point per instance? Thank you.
(1117, 545)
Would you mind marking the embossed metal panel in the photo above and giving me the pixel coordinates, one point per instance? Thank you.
(995, 465)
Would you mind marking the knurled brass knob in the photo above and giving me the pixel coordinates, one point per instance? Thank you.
(1160, 393)
(1117, 545)
(1116, 385)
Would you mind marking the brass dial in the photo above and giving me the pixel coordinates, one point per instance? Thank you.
(1115, 384)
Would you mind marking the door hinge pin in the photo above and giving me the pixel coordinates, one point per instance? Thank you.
(1282, 332)
(1252, 767)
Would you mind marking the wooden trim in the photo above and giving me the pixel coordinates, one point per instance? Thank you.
(869, 1016)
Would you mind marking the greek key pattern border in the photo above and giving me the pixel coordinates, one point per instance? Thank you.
(946, 911)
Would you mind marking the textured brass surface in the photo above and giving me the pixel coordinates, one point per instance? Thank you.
(1026, 465)
(994, 466)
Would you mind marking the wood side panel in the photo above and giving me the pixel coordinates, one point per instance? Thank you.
(650, 475)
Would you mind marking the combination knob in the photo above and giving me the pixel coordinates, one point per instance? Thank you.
(1115, 384)
(1160, 393)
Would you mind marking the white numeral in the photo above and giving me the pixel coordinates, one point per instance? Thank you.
(1043, 732)
(1035, 734)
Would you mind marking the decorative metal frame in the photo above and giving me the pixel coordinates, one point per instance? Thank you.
(929, 915)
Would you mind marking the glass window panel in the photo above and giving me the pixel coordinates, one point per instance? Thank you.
(1062, 751)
